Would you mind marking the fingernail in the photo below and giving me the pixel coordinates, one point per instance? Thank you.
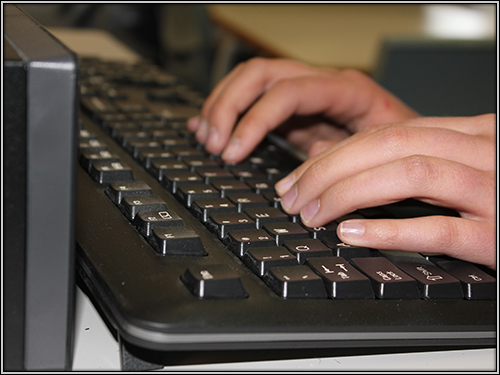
(202, 132)
(288, 199)
(193, 123)
(309, 211)
(231, 150)
(351, 230)
(285, 184)
(213, 137)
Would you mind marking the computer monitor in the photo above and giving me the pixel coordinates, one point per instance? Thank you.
(39, 161)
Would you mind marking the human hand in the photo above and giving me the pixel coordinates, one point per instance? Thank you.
(261, 94)
(449, 162)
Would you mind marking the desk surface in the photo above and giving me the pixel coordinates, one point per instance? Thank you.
(96, 348)
(321, 34)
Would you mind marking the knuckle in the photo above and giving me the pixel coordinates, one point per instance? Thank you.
(393, 138)
(419, 171)
(446, 235)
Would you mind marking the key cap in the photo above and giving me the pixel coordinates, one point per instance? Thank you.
(213, 281)
(346, 251)
(158, 168)
(92, 145)
(177, 240)
(89, 157)
(295, 282)
(244, 174)
(231, 186)
(172, 180)
(203, 208)
(220, 224)
(286, 231)
(247, 200)
(388, 281)
(265, 215)
(135, 146)
(342, 280)
(105, 172)
(146, 221)
(239, 241)
(433, 282)
(195, 163)
(187, 194)
(210, 175)
(261, 186)
(145, 157)
(327, 230)
(476, 284)
(307, 248)
(133, 204)
(261, 259)
(119, 189)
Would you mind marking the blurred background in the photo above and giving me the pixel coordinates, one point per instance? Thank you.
(440, 59)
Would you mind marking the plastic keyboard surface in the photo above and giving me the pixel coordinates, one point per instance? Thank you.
(183, 252)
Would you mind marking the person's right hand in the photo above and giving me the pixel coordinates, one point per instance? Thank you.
(261, 94)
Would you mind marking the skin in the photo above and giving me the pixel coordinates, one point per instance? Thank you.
(366, 148)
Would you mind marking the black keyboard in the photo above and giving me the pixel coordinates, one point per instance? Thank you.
(183, 252)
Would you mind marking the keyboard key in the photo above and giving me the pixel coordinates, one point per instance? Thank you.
(119, 189)
(340, 249)
(146, 156)
(261, 186)
(172, 180)
(203, 208)
(307, 248)
(159, 167)
(187, 194)
(295, 282)
(213, 174)
(239, 241)
(327, 230)
(286, 231)
(220, 224)
(231, 186)
(433, 282)
(133, 204)
(261, 259)
(177, 240)
(213, 281)
(265, 215)
(476, 284)
(88, 157)
(146, 221)
(247, 200)
(105, 172)
(388, 281)
(342, 280)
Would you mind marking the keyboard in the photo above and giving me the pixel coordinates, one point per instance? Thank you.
(183, 252)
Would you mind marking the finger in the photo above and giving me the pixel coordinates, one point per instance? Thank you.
(392, 143)
(469, 240)
(296, 96)
(320, 146)
(431, 180)
(235, 94)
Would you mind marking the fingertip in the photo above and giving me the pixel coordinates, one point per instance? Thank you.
(231, 153)
(193, 123)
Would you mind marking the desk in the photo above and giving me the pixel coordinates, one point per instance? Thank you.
(342, 36)
(96, 348)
